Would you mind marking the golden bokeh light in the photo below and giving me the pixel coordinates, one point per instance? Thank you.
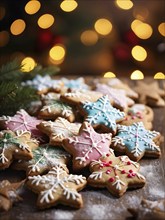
(68, 5)
(140, 12)
(17, 27)
(32, 7)
(161, 29)
(89, 37)
(142, 30)
(2, 12)
(124, 4)
(4, 38)
(139, 53)
(56, 62)
(103, 26)
(137, 75)
(159, 75)
(57, 52)
(109, 75)
(28, 64)
(45, 21)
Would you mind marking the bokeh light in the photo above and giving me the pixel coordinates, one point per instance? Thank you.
(28, 64)
(89, 37)
(17, 27)
(68, 5)
(142, 30)
(103, 26)
(4, 38)
(159, 75)
(137, 75)
(124, 4)
(2, 12)
(57, 52)
(32, 7)
(45, 21)
(139, 53)
(161, 29)
(109, 75)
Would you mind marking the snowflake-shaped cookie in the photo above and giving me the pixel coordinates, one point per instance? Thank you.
(15, 145)
(87, 146)
(57, 187)
(58, 130)
(55, 108)
(136, 141)
(117, 97)
(78, 83)
(101, 113)
(43, 83)
(117, 174)
(44, 158)
(22, 121)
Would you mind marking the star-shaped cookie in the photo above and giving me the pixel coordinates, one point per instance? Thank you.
(88, 145)
(136, 141)
(8, 194)
(44, 158)
(117, 97)
(22, 121)
(102, 114)
(56, 108)
(150, 93)
(57, 187)
(117, 174)
(78, 83)
(15, 145)
(58, 130)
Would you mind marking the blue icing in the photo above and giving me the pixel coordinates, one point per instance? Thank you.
(75, 84)
(136, 139)
(103, 113)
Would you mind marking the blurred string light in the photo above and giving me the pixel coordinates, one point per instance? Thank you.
(68, 5)
(141, 29)
(89, 37)
(28, 64)
(45, 21)
(139, 53)
(159, 75)
(4, 38)
(2, 12)
(103, 26)
(32, 7)
(109, 75)
(161, 29)
(57, 54)
(137, 75)
(124, 4)
(17, 27)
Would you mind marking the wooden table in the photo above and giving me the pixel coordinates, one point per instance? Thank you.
(98, 203)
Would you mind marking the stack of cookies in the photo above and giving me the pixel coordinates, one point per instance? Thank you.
(78, 135)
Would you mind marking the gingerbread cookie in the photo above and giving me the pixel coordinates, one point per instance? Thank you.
(88, 145)
(78, 83)
(117, 97)
(54, 108)
(78, 96)
(44, 158)
(49, 96)
(22, 121)
(137, 113)
(57, 187)
(117, 174)
(136, 141)
(8, 194)
(102, 114)
(15, 145)
(149, 210)
(44, 83)
(150, 93)
(58, 130)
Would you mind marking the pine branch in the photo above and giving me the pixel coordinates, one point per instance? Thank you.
(11, 71)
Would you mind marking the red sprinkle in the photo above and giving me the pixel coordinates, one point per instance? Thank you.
(130, 171)
(111, 179)
(108, 171)
(110, 162)
(133, 174)
(107, 155)
(123, 171)
(133, 117)
(130, 175)
(128, 163)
